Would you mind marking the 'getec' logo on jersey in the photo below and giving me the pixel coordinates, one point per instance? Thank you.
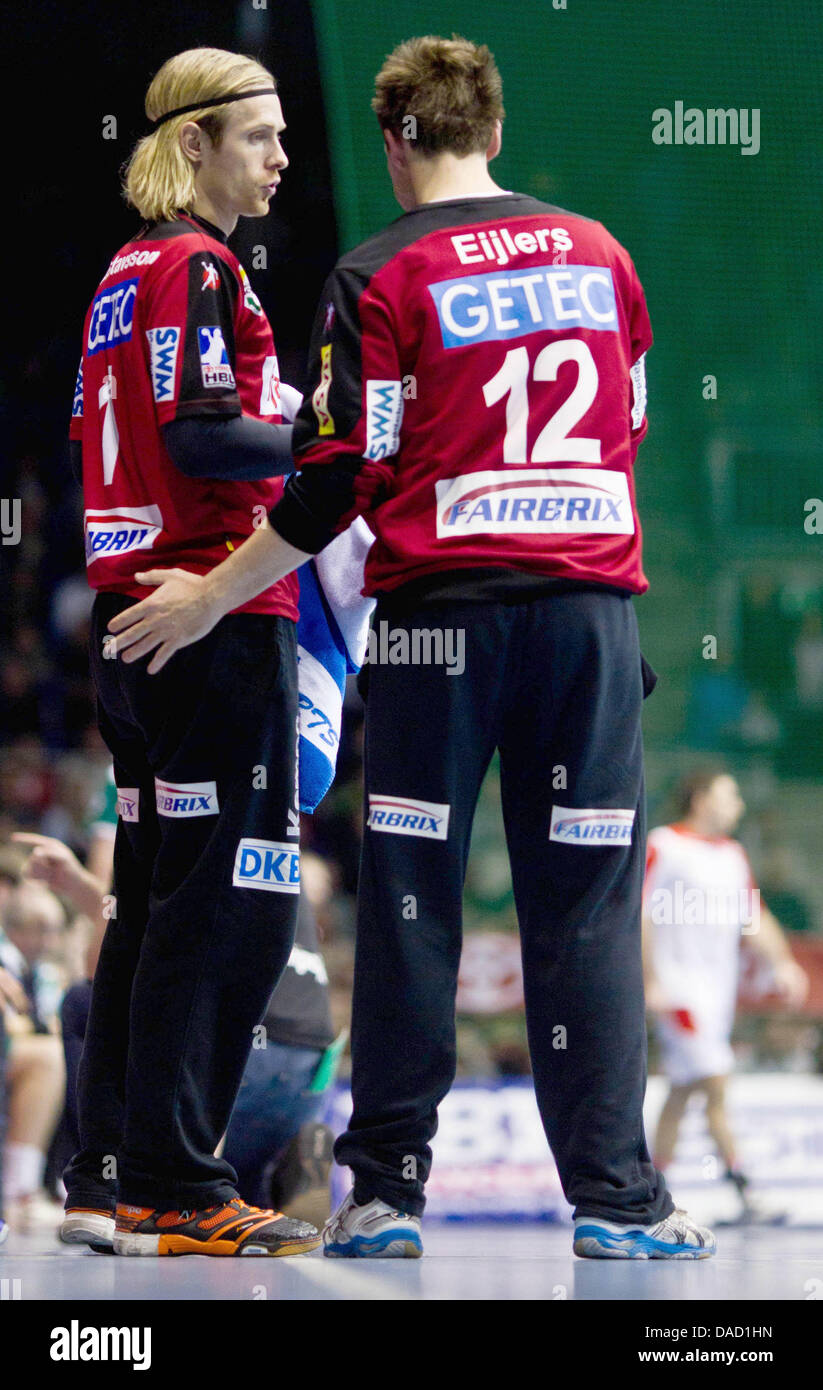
(128, 803)
(535, 500)
(180, 800)
(484, 308)
(406, 815)
(77, 403)
(268, 865)
(118, 530)
(384, 415)
(163, 345)
(112, 316)
(592, 828)
(215, 367)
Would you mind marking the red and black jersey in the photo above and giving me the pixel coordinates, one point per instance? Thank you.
(174, 330)
(477, 392)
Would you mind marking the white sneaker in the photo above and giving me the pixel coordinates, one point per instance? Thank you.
(88, 1226)
(676, 1237)
(374, 1231)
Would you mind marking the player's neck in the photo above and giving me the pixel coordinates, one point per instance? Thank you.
(705, 829)
(448, 177)
(221, 217)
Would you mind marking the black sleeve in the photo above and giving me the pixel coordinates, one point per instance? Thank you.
(76, 460)
(235, 448)
(347, 431)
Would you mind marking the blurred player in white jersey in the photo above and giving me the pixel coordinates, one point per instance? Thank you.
(699, 902)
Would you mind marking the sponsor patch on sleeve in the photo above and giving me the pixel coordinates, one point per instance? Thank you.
(270, 392)
(163, 345)
(595, 828)
(215, 367)
(77, 403)
(320, 396)
(384, 416)
(638, 376)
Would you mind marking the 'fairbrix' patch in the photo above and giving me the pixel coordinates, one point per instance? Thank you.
(594, 828)
(180, 800)
(407, 815)
(128, 803)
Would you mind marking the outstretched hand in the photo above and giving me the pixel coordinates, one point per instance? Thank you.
(177, 613)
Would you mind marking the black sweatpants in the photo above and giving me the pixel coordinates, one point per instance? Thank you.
(555, 683)
(206, 879)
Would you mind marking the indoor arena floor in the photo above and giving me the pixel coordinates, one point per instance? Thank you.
(462, 1261)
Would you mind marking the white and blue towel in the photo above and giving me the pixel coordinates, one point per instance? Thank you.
(332, 634)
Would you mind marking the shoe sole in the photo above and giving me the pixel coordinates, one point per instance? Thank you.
(135, 1243)
(607, 1245)
(4, 1230)
(389, 1246)
(83, 1228)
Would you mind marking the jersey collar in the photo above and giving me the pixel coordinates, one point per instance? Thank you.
(216, 232)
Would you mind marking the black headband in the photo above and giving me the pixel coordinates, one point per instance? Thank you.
(216, 101)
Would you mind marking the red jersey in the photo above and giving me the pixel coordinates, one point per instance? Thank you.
(174, 329)
(477, 391)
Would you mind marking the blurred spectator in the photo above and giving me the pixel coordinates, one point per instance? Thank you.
(35, 1076)
(27, 781)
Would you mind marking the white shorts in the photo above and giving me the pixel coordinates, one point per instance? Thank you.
(687, 1056)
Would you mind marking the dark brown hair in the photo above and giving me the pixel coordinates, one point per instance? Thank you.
(695, 783)
(450, 87)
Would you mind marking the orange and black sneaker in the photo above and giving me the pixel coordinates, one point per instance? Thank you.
(88, 1226)
(232, 1228)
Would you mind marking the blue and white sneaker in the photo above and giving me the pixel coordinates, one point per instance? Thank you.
(4, 1230)
(676, 1237)
(374, 1231)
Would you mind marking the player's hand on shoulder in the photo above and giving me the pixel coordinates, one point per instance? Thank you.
(178, 613)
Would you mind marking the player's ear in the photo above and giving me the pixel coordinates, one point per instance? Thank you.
(395, 149)
(493, 148)
(191, 141)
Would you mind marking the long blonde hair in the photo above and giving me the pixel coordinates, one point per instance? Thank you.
(158, 179)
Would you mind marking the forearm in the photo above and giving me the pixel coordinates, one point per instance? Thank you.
(768, 941)
(86, 893)
(237, 448)
(259, 562)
